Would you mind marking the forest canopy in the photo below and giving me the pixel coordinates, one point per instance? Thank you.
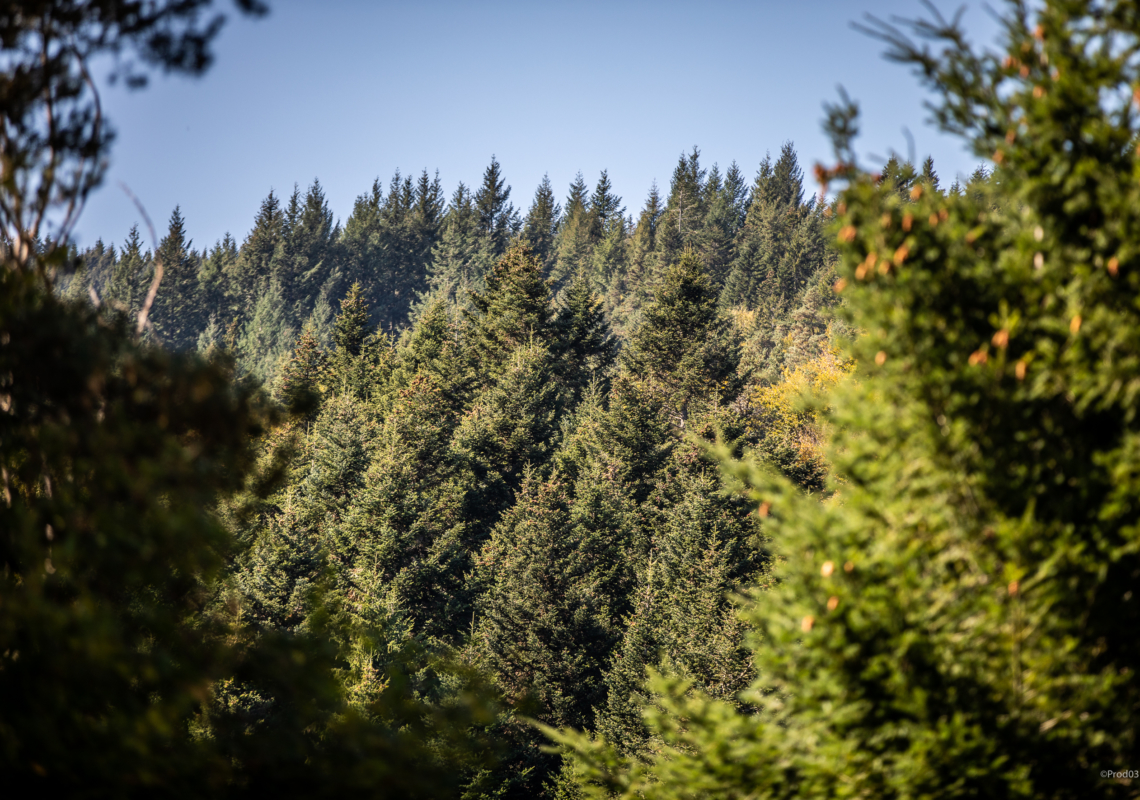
(756, 492)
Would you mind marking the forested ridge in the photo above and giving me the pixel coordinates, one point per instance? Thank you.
(757, 492)
(760, 241)
(500, 455)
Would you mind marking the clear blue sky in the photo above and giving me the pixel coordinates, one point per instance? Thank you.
(349, 91)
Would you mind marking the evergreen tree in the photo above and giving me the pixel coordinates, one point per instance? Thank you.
(574, 242)
(267, 337)
(629, 291)
(510, 424)
(405, 537)
(512, 311)
(683, 352)
(463, 254)
(256, 259)
(307, 253)
(929, 176)
(498, 220)
(605, 206)
(542, 631)
(124, 291)
(961, 624)
(899, 175)
(177, 311)
(585, 346)
(542, 224)
(214, 273)
(300, 378)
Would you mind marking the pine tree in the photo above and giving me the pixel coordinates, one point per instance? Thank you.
(544, 630)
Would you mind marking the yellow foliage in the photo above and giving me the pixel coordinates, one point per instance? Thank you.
(782, 415)
(743, 319)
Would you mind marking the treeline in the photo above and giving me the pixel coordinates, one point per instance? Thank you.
(500, 460)
(502, 456)
(759, 241)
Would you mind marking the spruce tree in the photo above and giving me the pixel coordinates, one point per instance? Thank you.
(629, 290)
(509, 425)
(576, 235)
(461, 256)
(124, 291)
(405, 537)
(267, 336)
(684, 352)
(584, 344)
(497, 219)
(542, 223)
(177, 311)
(512, 311)
(256, 258)
(541, 629)
(962, 623)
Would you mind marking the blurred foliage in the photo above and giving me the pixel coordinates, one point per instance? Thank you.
(960, 621)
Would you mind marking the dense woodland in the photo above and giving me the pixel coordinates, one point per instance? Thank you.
(750, 494)
(500, 458)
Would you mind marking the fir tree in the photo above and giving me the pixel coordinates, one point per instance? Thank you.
(512, 311)
(462, 256)
(124, 291)
(542, 224)
(497, 218)
(684, 352)
(177, 311)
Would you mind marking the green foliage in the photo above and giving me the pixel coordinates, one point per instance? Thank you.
(684, 352)
(176, 313)
(463, 253)
(512, 311)
(541, 224)
(497, 219)
(958, 620)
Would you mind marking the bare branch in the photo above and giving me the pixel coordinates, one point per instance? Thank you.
(144, 312)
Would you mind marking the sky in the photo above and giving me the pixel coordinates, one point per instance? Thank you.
(346, 91)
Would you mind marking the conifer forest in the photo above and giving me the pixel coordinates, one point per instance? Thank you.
(784, 481)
